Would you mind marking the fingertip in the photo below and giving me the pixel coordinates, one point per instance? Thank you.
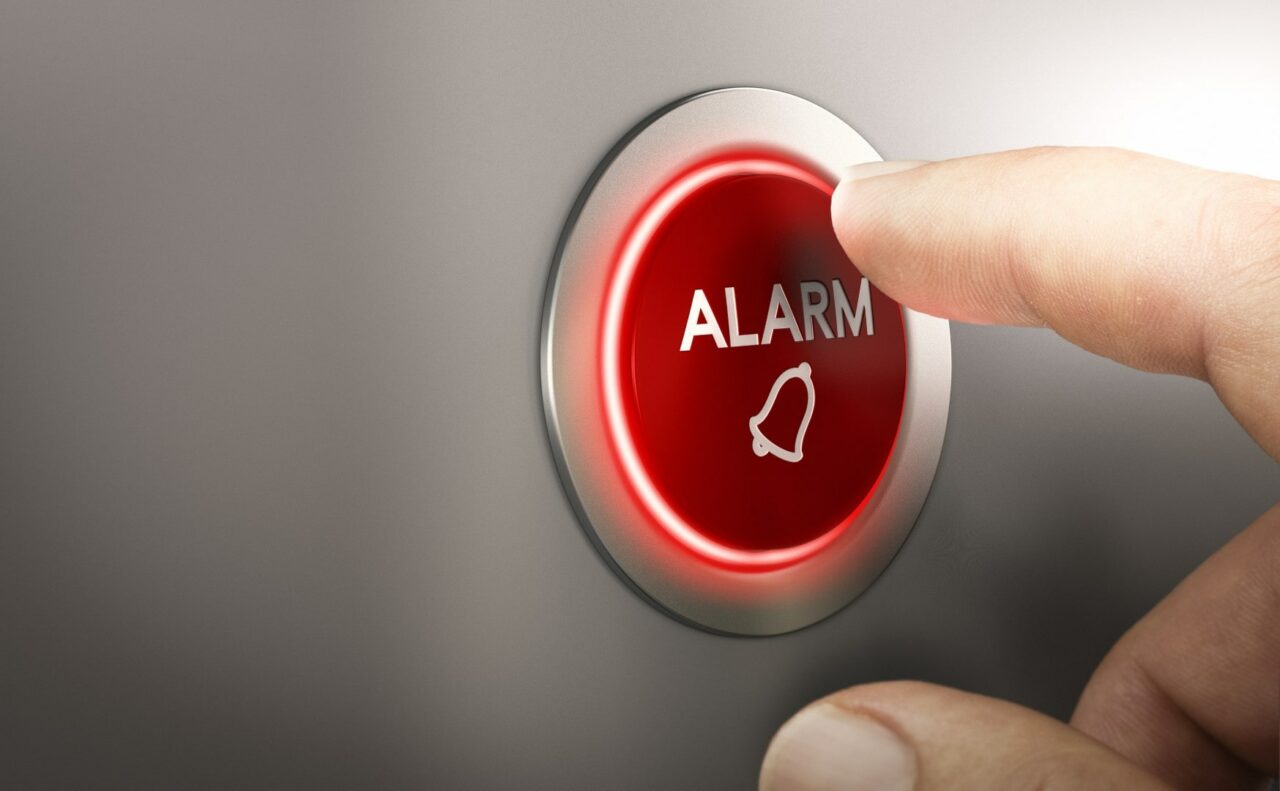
(845, 211)
(827, 746)
(921, 736)
(867, 170)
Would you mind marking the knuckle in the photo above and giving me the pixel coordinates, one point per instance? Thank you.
(1241, 224)
(1239, 235)
(1067, 768)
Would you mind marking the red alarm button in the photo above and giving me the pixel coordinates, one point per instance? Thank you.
(753, 380)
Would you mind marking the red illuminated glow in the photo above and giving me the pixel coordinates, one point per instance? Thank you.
(620, 431)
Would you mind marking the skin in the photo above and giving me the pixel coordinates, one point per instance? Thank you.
(1162, 267)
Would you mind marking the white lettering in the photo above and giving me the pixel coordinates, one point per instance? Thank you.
(701, 321)
(855, 317)
(814, 311)
(736, 338)
(780, 316)
(816, 299)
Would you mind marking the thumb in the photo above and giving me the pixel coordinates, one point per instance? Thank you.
(906, 735)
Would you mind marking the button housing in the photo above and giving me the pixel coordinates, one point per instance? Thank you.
(627, 344)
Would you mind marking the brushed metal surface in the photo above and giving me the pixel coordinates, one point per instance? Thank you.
(276, 504)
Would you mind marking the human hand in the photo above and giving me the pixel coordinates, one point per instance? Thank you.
(1160, 266)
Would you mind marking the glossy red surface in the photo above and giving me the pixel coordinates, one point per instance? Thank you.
(681, 417)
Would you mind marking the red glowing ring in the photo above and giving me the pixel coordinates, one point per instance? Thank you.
(619, 428)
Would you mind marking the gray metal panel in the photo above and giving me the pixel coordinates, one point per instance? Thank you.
(276, 503)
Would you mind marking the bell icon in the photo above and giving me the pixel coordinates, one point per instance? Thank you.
(761, 444)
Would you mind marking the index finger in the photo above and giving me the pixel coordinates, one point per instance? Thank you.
(1155, 264)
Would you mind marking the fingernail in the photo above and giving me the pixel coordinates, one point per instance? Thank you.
(871, 169)
(829, 747)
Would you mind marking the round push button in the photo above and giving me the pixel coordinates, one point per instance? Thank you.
(754, 379)
(745, 426)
